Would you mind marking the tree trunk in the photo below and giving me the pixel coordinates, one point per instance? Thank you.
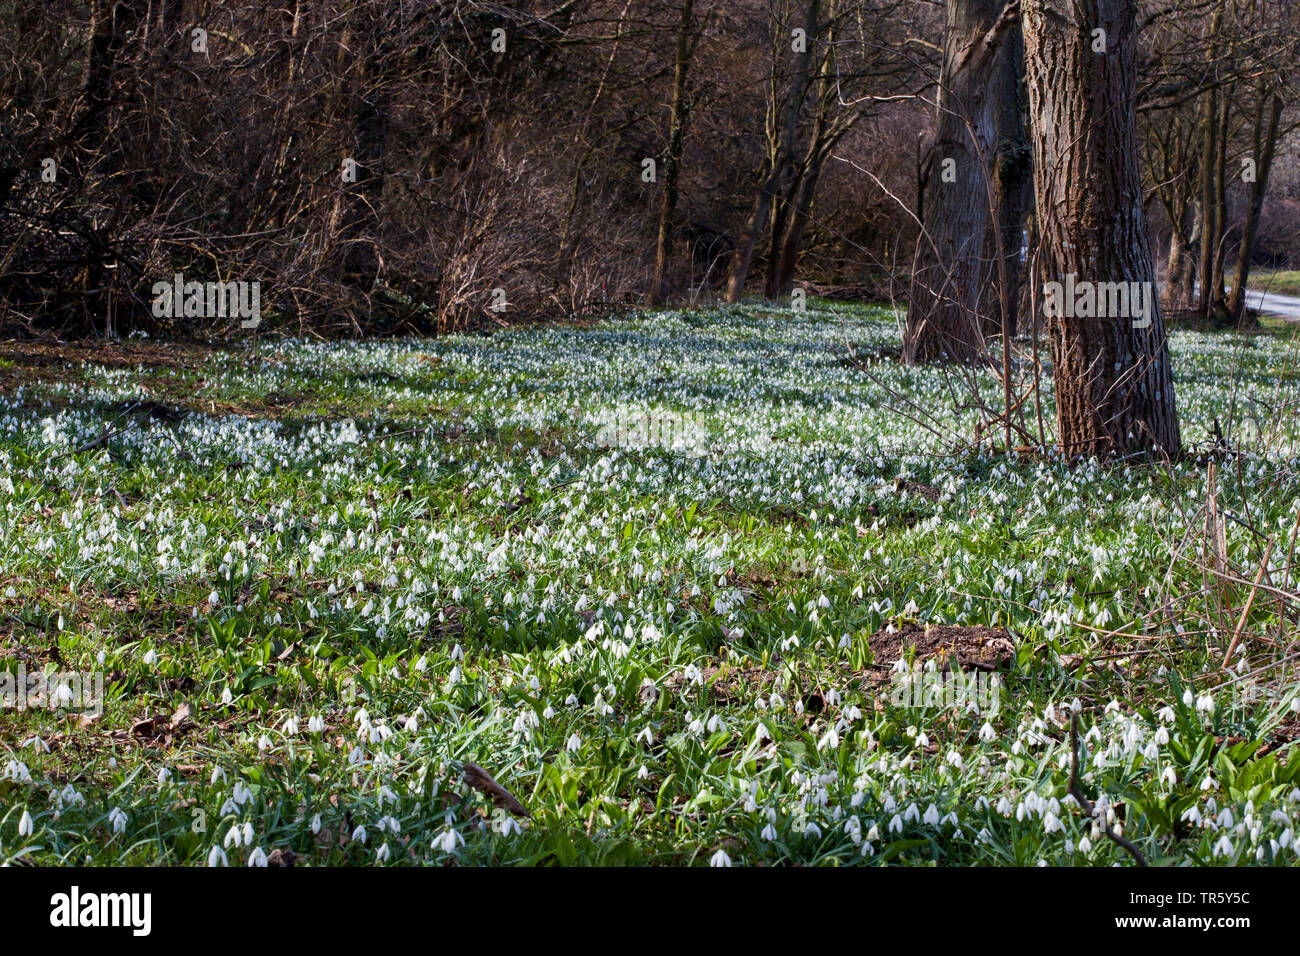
(1211, 226)
(781, 158)
(1013, 182)
(360, 233)
(672, 168)
(1221, 195)
(1180, 270)
(950, 272)
(1265, 143)
(1114, 385)
(828, 129)
(780, 280)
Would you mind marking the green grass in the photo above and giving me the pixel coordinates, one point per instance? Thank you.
(1279, 281)
(644, 574)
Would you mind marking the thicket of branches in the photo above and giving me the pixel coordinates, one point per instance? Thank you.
(495, 146)
(386, 166)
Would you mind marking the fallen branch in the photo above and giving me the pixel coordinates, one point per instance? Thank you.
(1077, 792)
(482, 781)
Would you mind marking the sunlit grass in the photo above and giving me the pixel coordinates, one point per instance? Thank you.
(319, 579)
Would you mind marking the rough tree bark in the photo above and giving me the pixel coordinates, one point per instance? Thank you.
(1013, 182)
(1114, 384)
(952, 269)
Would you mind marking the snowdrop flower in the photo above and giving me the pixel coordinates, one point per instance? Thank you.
(448, 840)
(316, 724)
(117, 819)
(382, 854)
(257, 857)
(26, 826)
(217, 857)
(505, 824)
(359, 834)
(574, 743)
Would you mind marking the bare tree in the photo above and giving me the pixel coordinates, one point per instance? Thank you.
(779, 166)
(672, 168)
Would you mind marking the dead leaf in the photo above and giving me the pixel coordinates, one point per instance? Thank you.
(182, 714)
(278, 857)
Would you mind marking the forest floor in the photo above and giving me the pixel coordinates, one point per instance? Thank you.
(713, 587)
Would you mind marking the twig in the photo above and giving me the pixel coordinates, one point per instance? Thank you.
(1250, 601)
(93, 443)
(1077, 792)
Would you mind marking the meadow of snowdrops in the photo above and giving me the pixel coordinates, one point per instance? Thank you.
(320, 579)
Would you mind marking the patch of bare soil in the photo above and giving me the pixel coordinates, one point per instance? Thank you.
(52, 356)
(967, 648)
